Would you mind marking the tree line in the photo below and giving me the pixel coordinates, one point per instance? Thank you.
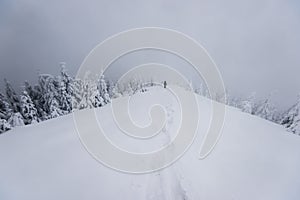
(54, 96)
(265, 109)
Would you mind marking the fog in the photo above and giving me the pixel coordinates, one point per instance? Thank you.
(255, 43)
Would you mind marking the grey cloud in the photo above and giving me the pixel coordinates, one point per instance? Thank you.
(254, 43)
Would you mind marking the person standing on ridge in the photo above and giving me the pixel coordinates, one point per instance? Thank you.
(165, 84)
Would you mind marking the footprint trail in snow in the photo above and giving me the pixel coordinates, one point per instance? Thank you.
(167, 184)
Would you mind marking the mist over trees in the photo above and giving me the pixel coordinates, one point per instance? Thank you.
(54, 96)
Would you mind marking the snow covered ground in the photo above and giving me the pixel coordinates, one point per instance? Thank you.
(254, 159)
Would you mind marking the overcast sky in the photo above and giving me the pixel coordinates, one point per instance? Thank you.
(255, 43)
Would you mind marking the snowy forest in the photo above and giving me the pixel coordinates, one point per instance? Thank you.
(54, 96)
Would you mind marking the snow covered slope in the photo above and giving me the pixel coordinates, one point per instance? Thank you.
(254, 159)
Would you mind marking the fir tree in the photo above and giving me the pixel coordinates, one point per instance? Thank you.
(142, 87)
(265, 110)
(16, 120)
(102, 87)
(36, 96)
(248, 105)
(95, 98)
(116, 92)
(65, 89)
(62, 96)
(77, 94)
(28, 109)
(291, 118)
(12, 97)
(134, 86)
(86, 101)
(110, 88)
(54, 110)
(49, 97)
(4, 126)
(5, 109)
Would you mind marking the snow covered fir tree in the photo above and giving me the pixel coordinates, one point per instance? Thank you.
(54, 96)
(291, 118)
(51, 97)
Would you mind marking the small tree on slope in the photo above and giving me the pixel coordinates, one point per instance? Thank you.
(54, 110)
(12, 97)
(266, 110)
(248, 105)
(28, 109)
(49, 97)
(5, 110)
(291, 119)
(65, 89)
(16, 120)
(116, 91)
(4, 126)
(102, 87)
(5, 114)
(77, 94)
(37, 98)
(85, 100)
(63, 98)
(95, 97)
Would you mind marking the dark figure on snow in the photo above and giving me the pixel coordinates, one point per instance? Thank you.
(165, 84)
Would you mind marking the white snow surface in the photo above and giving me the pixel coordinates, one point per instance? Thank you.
(254, 159)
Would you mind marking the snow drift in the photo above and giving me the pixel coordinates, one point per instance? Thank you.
(254, 159)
